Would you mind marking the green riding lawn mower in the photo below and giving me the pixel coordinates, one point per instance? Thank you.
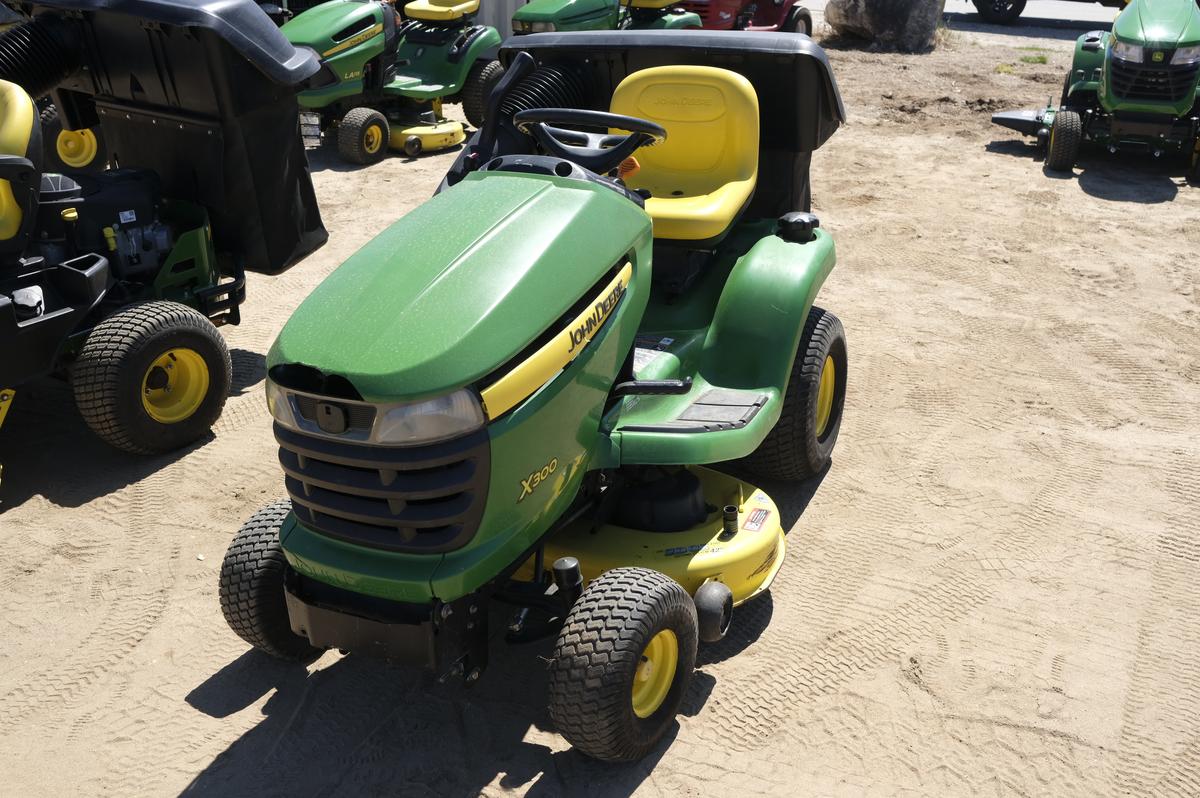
(119, 279)
(1134, 89)
(389, 75)
(538, 405)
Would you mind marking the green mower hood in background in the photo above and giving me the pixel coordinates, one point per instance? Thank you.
(1166, 23)
(460, 285)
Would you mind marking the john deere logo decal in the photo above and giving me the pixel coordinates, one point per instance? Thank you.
(530, 483)
(586, 327)
(1157, 57)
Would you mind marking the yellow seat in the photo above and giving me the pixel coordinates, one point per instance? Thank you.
(440, 10)
(702, 177)
(17, 118)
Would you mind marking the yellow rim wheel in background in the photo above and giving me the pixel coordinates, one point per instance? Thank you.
(373, 139)
(174, 386)
(77, 148)
(825, 395)
(655, 673)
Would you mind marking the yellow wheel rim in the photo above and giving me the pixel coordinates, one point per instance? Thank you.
(174, 386)
(373, 139)
(825, 395)
(77, 148)
(655, 673)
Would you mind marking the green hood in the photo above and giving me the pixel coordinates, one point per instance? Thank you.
(1167, 23)
(461, 285)
(317, 26)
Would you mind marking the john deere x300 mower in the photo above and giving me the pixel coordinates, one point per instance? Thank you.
(536, 406)
(389, 75)
(119, 278)
(1134, 89)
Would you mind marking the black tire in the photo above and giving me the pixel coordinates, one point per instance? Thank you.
(362, 136)
(1066, 138)
(117, 360)
(481, 79)
(999, 12)
(412, 146)
(251, 588)
(51, 130)
(597, 656)
(799, 20)
(797, 449)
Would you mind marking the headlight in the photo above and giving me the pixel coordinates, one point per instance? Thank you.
(1186, 55)
(279, 406)
(541, 27)
(430, 421)
(1127, 52)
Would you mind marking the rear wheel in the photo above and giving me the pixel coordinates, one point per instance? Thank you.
(362, 136)
(799, 20)
(1000, 12)
(802, 441)
(152, 377)
(481, 79)
(622, 663)
(251, 587)
(1066, 138)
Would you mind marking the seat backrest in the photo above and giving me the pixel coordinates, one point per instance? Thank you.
(440, 10)
(20, 135)
(711, 118)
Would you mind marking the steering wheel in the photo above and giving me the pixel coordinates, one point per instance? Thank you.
(599, 152)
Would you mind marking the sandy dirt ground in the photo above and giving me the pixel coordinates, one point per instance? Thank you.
(992, 590)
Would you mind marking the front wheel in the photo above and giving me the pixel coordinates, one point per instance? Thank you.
(152, 377)
(622, 663)
(481, 79)
(1066, 139)
(362, 136)
(802, 441)
(1000, 12)
(251, 587)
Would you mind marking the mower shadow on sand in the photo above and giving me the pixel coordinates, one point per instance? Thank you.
(1137, 180)
(368, 727)
(47, 452)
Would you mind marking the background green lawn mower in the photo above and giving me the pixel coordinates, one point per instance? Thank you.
(540, 16)
(389, 76)
(1134, 89)
(527, 408)
(120, 278)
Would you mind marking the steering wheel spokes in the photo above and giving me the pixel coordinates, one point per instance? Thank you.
(599, 152)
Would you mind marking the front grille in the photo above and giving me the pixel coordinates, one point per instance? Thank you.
(420, 499)
(1154, 83)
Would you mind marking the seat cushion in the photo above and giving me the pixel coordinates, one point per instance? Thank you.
(703, 176)
(18, 115)
(440, 10)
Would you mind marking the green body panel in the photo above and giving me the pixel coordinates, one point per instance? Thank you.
(430, 73)
(436, 305)
(192, 263)
(317, 27)
(671, 20)
(1153, 24)
(726, 336)
(570, 15)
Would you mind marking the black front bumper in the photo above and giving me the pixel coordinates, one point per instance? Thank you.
(446, 638)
